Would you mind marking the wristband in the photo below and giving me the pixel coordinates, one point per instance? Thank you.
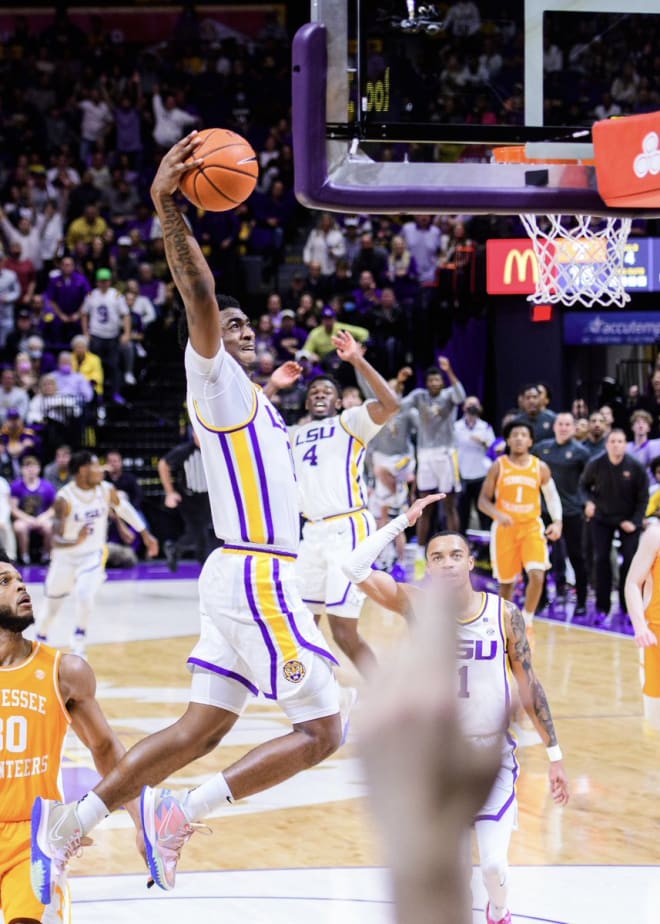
(554, 753)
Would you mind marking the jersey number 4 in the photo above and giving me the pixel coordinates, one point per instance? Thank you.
(310, 456)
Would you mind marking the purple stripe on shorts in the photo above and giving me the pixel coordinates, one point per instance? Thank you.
(353, 534)
(281, 599)
(224, 444)
(512, 797)
(207, 665)
(251, 548)
(247, 569)
(262, 483)
(360, 482)
(351, 502)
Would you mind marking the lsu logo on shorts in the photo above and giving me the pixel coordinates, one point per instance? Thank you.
(293, 671)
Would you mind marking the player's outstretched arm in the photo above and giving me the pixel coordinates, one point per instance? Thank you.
(284, 376)
(78, 689)
(378, 585)
(640, 569)
(387, 402)
(533, 698)
(189, 269)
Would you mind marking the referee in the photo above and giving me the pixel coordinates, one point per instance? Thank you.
(182, 476)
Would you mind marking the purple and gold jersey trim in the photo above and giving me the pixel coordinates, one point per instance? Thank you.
(354, 457)
(247, 476)
(241, 426)
(335, 516)
(479, 613)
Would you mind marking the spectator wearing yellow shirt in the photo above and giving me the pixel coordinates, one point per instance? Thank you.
(88, 364)
(320, 342)
(86, 228)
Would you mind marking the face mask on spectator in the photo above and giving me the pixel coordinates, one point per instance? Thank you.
(24, 367)
(35, 354)
(65, 369)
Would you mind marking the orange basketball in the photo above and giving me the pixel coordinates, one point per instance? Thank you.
(228, 175)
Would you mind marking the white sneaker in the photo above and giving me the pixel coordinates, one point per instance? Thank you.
(79, 643)
(129, 378)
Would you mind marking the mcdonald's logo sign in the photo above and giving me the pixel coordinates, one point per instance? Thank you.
(511, 267)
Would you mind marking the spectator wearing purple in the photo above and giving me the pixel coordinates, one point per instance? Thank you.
(128, 122)
(153, 289)
(143, 221)
(71, 383)
(289, 339)
(66, 291)
(367, 294)
(16, 439)
(32, 499)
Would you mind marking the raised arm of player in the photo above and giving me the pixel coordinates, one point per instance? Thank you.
(378, 585)
(640, 569)
(190, 271)
(78, 689)
(387, 402)
(532, 696)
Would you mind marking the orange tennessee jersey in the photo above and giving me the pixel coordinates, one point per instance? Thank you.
(33, 724)
(518, 489)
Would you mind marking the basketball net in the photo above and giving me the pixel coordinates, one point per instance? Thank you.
(580, 259)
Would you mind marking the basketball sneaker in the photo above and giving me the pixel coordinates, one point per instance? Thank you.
(79, 643)
(167, 829)
(56, 837)
(505, 920)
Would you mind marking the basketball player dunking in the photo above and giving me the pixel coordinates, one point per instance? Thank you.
(492, 644)
(256, 633)
(511, 496)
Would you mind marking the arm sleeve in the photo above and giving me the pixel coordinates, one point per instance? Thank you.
(357, 566)
(552, 500)
(129, 514)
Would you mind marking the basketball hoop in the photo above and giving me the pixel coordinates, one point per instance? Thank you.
(579, 257)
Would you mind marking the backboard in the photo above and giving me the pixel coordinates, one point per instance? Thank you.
(396, 105)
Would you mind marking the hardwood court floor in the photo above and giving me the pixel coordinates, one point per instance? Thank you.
(141, 636)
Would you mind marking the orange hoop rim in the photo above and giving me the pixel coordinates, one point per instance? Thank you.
(515, 154)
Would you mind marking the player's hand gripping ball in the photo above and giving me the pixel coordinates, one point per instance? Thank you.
(228, 175)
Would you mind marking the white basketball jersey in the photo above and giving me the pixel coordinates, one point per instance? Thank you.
(246, 453)
(484, 688)
(329, 460)
(86, 507)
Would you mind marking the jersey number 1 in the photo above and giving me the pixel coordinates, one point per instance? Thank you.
(463, 692)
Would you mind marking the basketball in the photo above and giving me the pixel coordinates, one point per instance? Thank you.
(228, 175)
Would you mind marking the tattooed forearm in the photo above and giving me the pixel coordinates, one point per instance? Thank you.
(531, 691)
(184, 256)
(542, 712)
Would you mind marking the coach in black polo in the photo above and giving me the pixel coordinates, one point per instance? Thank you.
(567, 459)
(616, 488)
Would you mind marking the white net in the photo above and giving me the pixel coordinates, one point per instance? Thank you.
(580, 259)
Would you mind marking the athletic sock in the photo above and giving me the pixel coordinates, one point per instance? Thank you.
(497, 913)
(91, 810)
(201, 802)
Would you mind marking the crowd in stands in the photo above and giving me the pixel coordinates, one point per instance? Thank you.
(595, 65)
(85, 293)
